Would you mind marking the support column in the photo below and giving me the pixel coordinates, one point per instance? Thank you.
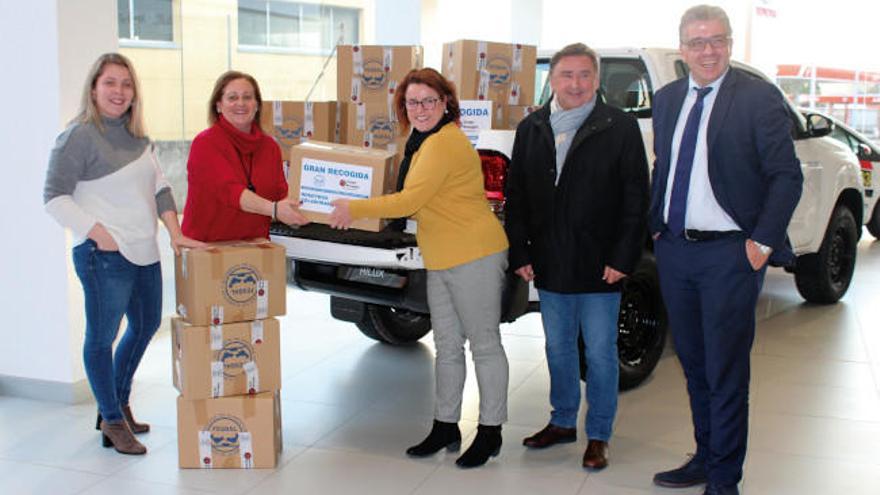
(53, 44)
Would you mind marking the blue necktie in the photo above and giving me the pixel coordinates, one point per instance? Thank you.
(684, 164)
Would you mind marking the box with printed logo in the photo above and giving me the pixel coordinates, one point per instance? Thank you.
(231, 281)
(507, 117)
(292, 122)
(370, 73)
(227, 359)
(371, 125)
(481, 70)
(241, 432)
(323, 172)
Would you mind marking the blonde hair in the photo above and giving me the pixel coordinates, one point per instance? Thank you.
(88, 110)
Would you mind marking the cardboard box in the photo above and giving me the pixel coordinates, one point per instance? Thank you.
(229, 432)
(370, 73)
(291, 122)
(481, 70)
(225, 360)
(323, 172)
(371, 126)
(509, 116)
(231, 281)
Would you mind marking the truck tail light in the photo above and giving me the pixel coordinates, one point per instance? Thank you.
(494, 176)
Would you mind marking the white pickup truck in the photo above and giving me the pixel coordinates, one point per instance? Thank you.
(377, 280)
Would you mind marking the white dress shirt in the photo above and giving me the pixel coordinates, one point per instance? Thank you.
(703, 211)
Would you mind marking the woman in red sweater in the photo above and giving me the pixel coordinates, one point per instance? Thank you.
(236, 182)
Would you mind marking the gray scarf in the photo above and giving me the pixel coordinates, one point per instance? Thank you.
(565, 124)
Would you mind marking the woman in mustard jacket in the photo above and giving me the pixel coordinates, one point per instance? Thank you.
(465, 253)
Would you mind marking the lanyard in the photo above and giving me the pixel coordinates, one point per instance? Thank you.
(248, 170)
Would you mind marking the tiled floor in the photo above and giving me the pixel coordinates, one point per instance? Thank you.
(350, 407)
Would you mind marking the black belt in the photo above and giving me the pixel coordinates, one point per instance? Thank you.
(710, 235)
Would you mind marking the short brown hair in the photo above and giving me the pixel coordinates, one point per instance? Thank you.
(217, 94)
(88, 110)
(434, 80)
(575, 50)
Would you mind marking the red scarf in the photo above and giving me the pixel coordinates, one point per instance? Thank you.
(245, 143)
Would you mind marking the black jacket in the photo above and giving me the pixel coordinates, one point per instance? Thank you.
(595, 216)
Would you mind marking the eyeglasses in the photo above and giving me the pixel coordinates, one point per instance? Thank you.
(699, 44)
(428, 103)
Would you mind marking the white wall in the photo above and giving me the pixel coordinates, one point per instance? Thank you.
(504, 21)
(48, 47)
(398, 22)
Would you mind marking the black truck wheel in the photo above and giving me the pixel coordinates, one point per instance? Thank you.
(641, 326)
(874, 224)
(824, 277)
(392, 325)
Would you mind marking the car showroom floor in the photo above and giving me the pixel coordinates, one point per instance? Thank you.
(351, 407)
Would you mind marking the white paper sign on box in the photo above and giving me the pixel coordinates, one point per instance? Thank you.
(324, 181)
(476, 115)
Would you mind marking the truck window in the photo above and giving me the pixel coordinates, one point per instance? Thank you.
(625, 84)
(681, 69)
(542, 81)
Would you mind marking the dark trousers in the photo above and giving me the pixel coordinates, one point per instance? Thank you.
(710, 291)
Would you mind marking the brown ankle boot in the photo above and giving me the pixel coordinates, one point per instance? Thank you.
(119, 436)
(136, 427)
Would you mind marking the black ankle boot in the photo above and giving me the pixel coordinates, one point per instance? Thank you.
(486, 444)
(443, 435)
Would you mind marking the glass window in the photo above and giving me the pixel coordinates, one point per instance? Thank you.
(252, 22)
(284, 22)
(295, 25)
(542, 81)
(146, 20)
(626, 84)
(345, 24)
(312, 27)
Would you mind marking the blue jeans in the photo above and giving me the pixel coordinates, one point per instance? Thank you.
(595, 316)
(113, 287)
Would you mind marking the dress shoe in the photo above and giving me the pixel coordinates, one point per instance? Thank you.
(550, 435)
(715, 489)
(442, 435)
(120, 437)
(596, 455)
(486, 444)
(692, 473)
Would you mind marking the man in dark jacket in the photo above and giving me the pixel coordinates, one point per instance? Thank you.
(577, 199)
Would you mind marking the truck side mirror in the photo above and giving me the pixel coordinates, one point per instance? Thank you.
(819, 125)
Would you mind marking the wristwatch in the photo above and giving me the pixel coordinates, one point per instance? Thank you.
(765, 250)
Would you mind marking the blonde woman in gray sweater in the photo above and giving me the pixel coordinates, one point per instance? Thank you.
(105, 185)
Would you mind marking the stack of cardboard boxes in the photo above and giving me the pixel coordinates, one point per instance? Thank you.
(499, 72)
(367, 77)
(495, 82)
(226, 351)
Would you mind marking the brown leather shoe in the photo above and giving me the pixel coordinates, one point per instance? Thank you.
(119, 436)
(596, 455)
(550, 435)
